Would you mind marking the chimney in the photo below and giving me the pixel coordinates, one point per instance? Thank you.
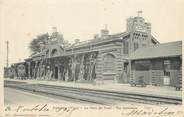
(54, 29)
(77, 41)
(104, 32)
(96, 36)
(139, 13)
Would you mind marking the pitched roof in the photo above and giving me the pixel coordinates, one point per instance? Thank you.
(154, 39)
(158, 51)
(99, 40)
(37, 54)
(104, 39)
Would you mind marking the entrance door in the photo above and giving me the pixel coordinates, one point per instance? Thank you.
(166, 78)
(167, 67)
(56, 73)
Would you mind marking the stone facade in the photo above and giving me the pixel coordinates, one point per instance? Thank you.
(104, 58)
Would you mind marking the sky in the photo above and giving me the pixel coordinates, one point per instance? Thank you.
(23, 20)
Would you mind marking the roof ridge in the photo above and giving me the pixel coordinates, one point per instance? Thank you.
(158, 50)
(172, 42)
(161, 44)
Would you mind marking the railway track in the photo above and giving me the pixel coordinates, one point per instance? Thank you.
(91, 95)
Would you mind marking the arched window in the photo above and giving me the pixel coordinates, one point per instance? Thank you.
(54, 52)
(47, 53)
(109, 63)
(125, 47)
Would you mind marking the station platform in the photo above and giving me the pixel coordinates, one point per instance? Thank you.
(161, 91)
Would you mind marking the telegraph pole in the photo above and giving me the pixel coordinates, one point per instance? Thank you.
(7, 54)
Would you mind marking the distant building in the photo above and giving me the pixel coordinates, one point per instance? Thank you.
(107, 57)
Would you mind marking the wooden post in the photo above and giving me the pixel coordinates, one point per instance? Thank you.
(73, 67)
(81, 74)
(130, 73)
(29, 70)
(150, 73)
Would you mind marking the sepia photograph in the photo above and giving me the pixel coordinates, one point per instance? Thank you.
(122, 54)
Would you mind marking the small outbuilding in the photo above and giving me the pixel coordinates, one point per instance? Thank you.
(160, 64)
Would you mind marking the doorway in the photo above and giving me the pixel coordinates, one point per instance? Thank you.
(167, 67)
(166, 79)
(56, 73)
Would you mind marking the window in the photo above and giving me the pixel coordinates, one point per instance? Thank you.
(125, 47)
(109, 63)
(54, 52)
(142, 65)
(166, 73)
(136, 46)
(167, 64)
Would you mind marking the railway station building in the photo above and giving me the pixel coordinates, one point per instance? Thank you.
(111, 58)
